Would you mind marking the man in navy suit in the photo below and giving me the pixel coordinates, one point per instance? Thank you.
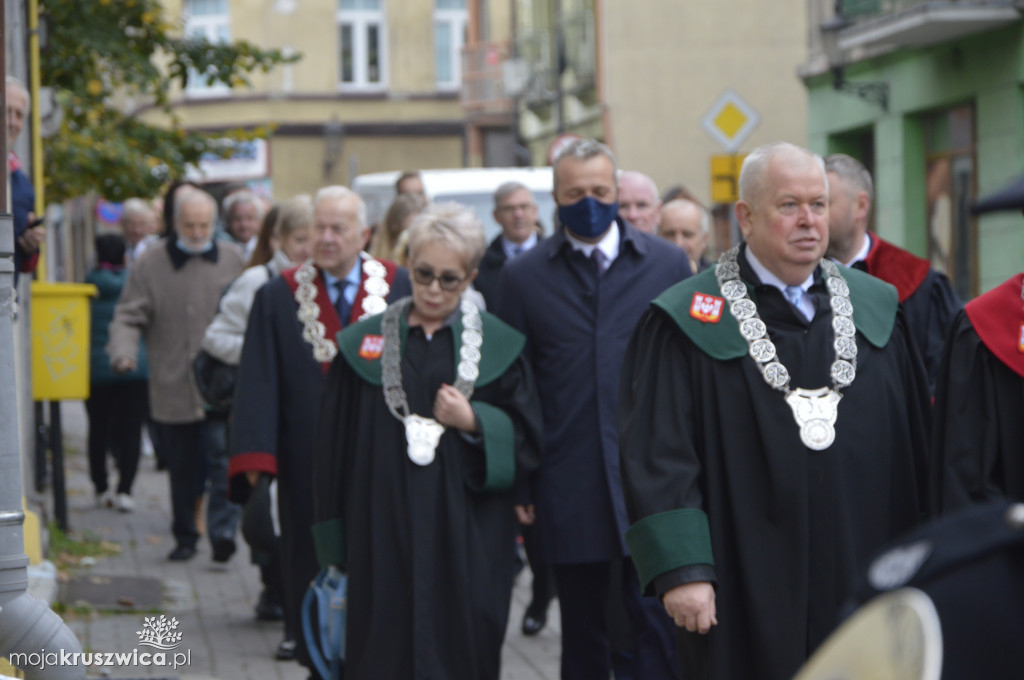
(516, 212)
(577, 297)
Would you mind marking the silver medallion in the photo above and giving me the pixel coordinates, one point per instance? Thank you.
(843, 325)
(845, 346)
(376, 286)
(474, 323)
(727, 270)
(468, 371)
(841, 306)
(752, 329)
(308, 313)
(375, 269)
(472, 338)
(815, 412)
(468, 353)
(776, 375)
(743, 309)
(423, 435)
(373, 304)
(313, 330)
(837, 286)
(734, 290)
(762, 350)
(843, 372)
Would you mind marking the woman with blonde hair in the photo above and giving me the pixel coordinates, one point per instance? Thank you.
(388, 242)
(428, 417)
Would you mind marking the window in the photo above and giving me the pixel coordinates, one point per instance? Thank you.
(207, 19)
(450, 18)
(949, 180)
(362, 44)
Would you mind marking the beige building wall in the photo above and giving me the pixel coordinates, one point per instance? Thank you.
(666, 62)
(407, 125)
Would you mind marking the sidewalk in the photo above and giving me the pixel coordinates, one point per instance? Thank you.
(213, 604)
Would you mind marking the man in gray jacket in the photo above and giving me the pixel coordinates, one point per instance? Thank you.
(169, 299)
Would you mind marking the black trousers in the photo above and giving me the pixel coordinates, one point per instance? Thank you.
(583, 592)
(197, 461)
(543, 577)
(116, 411)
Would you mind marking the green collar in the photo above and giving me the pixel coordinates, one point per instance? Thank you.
(874, 312)
(360, 346)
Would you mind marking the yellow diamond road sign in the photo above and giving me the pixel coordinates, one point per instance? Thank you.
(730, 120)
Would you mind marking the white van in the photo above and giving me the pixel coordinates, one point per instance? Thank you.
(472, 187)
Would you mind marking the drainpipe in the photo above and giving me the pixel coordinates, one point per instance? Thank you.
(27, 624)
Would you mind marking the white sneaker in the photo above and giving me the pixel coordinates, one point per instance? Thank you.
(105, 499)
(124, 502)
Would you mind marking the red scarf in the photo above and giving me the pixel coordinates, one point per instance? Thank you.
(897, 266)
(998, 318)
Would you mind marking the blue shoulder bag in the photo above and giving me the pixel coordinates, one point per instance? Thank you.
(326, 600)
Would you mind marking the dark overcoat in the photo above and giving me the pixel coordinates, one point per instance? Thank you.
(577, 326)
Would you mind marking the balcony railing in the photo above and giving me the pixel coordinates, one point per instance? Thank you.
(857, 9)
(483, 77)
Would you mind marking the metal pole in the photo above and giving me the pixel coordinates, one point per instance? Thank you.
(40, 447)
(60, 498)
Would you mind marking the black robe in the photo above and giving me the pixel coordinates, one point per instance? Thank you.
(719, 486)
(979, 403)
(273, 418)
(427, 549)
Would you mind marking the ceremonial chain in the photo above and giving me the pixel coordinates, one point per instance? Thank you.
(376, 289)
(815, 411)
(424, 434)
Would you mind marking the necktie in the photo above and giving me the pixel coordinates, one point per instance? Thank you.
(516, 250)
(795, 295)
(600, 259)
(341, 304)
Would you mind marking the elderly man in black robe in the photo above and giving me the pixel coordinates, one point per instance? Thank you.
(289, 344)
(774, 432)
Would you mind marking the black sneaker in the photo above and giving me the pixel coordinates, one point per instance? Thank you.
(268, 608)
(223, 549)
(182, 553)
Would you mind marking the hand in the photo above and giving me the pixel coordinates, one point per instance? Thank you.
(123, 365)
(31, 238)
(452, 408)
(252, 476)
(526, 514)
(692, 606)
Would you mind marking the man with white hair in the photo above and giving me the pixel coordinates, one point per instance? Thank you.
(688, 225)
(169, 299)
(774, 432)
(289, 345)
(638, 200)
(23, 195)
(137, 219)
(243, 215)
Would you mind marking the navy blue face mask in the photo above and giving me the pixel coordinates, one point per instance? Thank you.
(588, 217)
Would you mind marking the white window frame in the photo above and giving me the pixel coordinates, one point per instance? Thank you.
(457, 21)
(361, 20)
(213, 27)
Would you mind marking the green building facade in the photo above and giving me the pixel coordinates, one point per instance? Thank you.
(952, 129)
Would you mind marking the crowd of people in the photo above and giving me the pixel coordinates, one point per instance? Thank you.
(700, 456)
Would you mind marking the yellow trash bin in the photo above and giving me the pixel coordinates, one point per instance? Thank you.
(60, 340)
